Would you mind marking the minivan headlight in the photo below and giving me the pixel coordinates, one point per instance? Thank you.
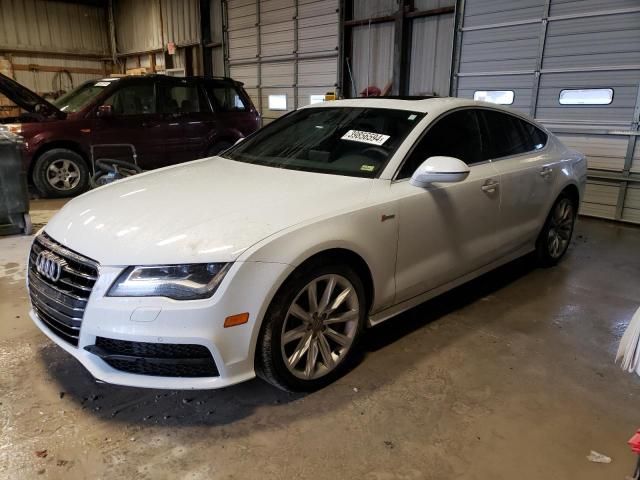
(179, 282)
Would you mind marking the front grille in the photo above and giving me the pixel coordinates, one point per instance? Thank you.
(60, 304)
(158, 359)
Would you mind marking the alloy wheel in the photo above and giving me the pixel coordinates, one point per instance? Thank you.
(560, 228)
(63, 174)
(320, 326)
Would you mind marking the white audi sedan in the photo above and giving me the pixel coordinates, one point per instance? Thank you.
(272, 258)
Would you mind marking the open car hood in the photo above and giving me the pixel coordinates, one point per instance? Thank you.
(26, 99)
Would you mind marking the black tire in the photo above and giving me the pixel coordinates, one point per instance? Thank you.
(57, 157)
(269, 362)
(558, 227)
(218, 147)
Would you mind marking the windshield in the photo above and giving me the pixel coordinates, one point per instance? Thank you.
(78, 98)
(338, 140)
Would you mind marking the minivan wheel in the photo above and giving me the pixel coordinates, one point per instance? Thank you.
(555, 237)
(311, 328)
(60, 173)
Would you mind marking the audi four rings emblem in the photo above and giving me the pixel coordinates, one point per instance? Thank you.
(50, 266)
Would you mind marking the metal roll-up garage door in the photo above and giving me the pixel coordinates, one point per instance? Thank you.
(285, 51)
(575, 66)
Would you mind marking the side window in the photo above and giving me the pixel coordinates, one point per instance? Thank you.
(227, 99)
(133, 100)
(507, 135)
(538, 137)
(455, 135)
(181, 98)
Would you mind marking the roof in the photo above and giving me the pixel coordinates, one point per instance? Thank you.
(431, 105)
(416, 105)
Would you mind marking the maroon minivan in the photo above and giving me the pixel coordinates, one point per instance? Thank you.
(168, 120)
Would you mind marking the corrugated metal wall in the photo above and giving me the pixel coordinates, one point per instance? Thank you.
(538, 48)
(371, 60)
(431, 50)
(144, 26)
(137, 26)
(40, 37)
(53, 27)
(283, 47)
(372, 56)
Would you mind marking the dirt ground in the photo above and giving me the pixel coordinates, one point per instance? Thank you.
(508, 377)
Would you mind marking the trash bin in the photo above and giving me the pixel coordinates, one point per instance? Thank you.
(14, 194)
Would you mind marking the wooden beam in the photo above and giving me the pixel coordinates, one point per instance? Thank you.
(53, 53)
(49, 68)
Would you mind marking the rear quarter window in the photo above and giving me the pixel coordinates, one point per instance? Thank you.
(227, 98)
(505, 135)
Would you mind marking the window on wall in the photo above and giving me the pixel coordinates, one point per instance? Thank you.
(502, 97)
(316, 99)
(277, 102)
(586, 96)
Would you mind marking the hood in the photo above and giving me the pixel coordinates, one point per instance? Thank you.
(26, 99)
(209, 210)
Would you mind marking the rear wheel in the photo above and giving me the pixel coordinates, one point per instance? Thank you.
(60, 173)
(311, 328)
(555, 236)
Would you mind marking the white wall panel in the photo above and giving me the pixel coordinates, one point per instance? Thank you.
(181, 21)
(604, 152)
(286, 48)
(137, 25)
(490, 12)
(53, 26)
(372, 59)
(505, 49)
(431, 49)
(581, 44)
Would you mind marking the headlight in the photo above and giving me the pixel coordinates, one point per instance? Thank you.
(14, 128)
(180, 282)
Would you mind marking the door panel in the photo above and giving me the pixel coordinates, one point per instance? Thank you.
(134, 120)
(446, 231)
(526, 188)
(187, 120)
(515, 148)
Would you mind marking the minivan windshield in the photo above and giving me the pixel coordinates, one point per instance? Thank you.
(337, 140)
(78, 98)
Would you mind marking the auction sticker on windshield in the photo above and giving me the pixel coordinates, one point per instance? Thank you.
(365, 137)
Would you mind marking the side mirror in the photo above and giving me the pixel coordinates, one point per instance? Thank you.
(104, 111)
(439, 169)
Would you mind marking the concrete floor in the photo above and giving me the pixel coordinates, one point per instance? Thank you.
(508, 377)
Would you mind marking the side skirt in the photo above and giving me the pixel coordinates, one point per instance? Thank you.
(394, 310)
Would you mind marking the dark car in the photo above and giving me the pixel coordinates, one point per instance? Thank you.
(169, 120)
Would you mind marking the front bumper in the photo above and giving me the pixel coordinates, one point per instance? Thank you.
(247, 287)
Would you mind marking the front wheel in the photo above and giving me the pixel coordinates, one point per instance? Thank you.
(311, 328)
(60, 173)
(555, 236)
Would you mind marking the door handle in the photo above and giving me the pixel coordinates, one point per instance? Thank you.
(490, 186)
(545, 172)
